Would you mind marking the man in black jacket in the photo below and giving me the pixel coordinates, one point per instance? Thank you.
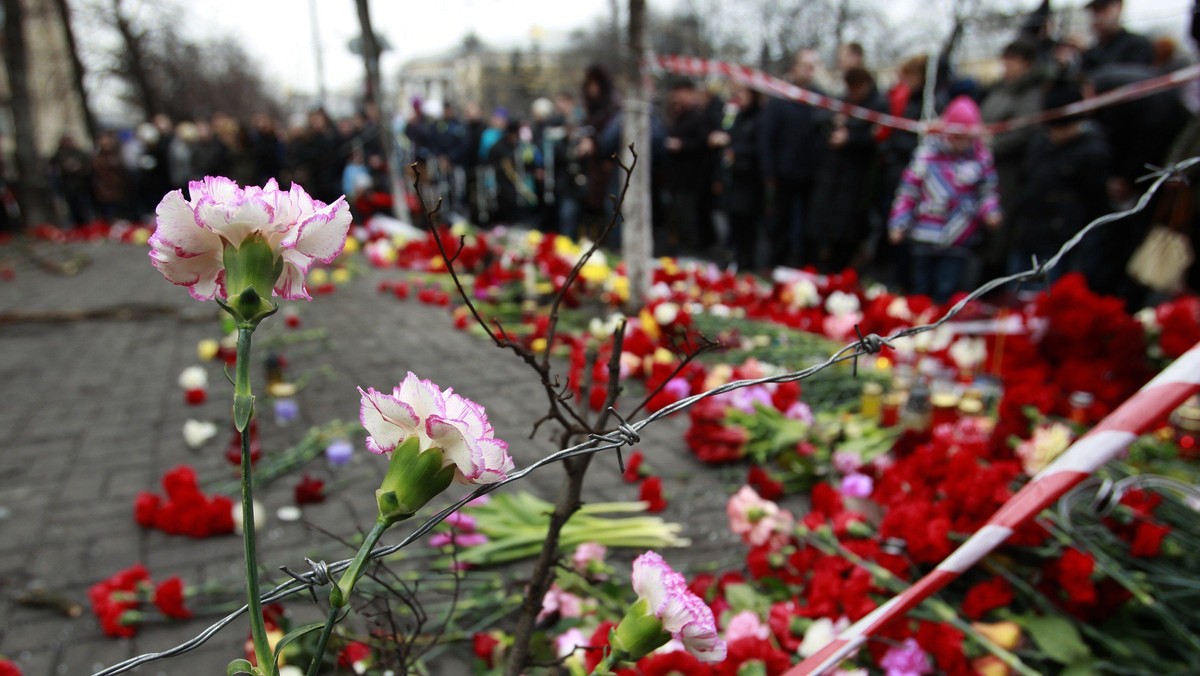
(1114, 44)
(790, 146)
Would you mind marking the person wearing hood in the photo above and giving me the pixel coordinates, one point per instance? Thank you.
(946, 193)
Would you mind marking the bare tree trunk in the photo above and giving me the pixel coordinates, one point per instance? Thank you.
(370, 50)
(637, 241)
(32, 190)
(137, 62)
(370, 54)
(77, 71)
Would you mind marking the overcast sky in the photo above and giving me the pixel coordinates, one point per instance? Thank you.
(280, 32)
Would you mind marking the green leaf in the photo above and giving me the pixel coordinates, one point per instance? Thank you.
(743, 597)
(239, 666)
(293, 635)
(1085, 667)
(1058, 638)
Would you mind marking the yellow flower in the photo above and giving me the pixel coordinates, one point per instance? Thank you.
(595, 271)
(534, 237)
(140, 236)
(620, 286)
(341, 276)
(207, 349)
(649, 325)
(1048, 442)
(538, 345)
(1004, 634)
(668, 265)
(565, 246)
(318, 276)
(663, 356)
(351, 246)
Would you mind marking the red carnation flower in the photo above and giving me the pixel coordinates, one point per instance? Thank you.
(8, 668)
(353, 653)
(220, 515)
(169, 598)
(633, 467)
(145, 508)
(309, 491)
(180, 483)
(674, 662)
(1147, 539)
(598, 642)
(987, 596)
(484, 646)
(749, 650)
(763, 484)
(651, 492)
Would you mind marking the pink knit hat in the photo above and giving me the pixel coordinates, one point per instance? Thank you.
(962, 116)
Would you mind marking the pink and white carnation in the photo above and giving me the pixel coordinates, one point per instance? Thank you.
(588, 557)
(746, 624)
(439, 419)
(683, 614)
(757, 520)
(560, 602)
(188, 245)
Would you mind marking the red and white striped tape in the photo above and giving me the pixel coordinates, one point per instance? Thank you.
(1148, 407)
(760, 81)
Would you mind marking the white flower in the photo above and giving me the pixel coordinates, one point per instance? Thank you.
(197, 433)
(804, 293)
(935, 340)
(968, 353)
(666, 313)
(820, 634)
(194, 378)
(898, 309)
(842, 304)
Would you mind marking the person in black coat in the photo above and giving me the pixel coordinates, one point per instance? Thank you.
(688, 174)
(1114, 44)
(790, 145)
(742, 198)
(837, 222)
(1063, 190)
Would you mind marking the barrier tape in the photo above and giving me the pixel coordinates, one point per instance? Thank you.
(760, 81)
(1149, 405)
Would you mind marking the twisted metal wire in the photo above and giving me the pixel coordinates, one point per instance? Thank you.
(627, 434)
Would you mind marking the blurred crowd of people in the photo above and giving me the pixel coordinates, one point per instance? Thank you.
(741, 179)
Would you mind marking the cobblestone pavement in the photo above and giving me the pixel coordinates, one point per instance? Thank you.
(91, 413)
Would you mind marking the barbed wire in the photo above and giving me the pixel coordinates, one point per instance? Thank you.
(628, 434)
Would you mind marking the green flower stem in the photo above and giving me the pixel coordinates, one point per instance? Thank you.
(314, 667)
(607, 664)
(243, 407)
(339, 595)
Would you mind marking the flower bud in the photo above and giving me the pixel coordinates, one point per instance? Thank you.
(639, 633)
(251, 271)
(413, 478)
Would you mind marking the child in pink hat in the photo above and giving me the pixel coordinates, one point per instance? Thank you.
(945, 194)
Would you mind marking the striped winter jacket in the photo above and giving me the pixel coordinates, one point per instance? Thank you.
(943, 197)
